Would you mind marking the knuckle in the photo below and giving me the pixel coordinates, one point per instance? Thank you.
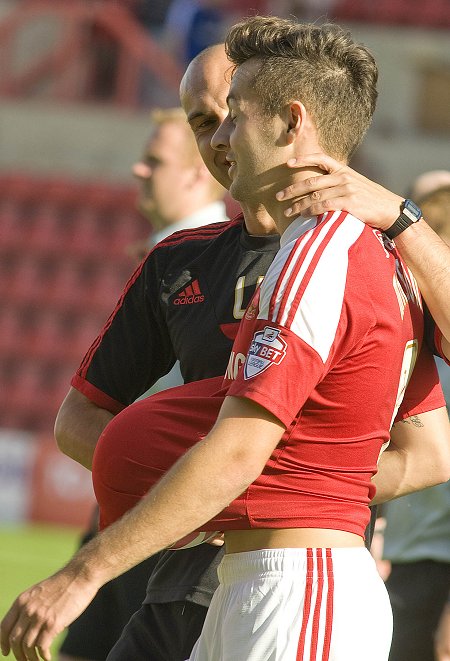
(315, 195)
(21, 600)
(29, 611)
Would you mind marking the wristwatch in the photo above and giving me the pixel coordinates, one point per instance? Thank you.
(409, 214)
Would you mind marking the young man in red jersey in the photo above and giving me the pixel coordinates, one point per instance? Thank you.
(267, 338)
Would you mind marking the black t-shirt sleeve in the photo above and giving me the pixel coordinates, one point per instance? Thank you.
(134, 349)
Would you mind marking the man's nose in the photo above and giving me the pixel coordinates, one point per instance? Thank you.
(220, 139)
(141, 170)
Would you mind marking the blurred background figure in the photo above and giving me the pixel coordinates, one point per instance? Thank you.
(437, 205)
(417, 533)
(428, 182)
(176, 190)
(193, 25)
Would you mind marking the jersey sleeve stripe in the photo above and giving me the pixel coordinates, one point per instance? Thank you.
(301, 262)
(300, 283)
(296, 266)
(97, 396)
(317, 324)
(200, 233)
(84, 365)
(276, 299)
(283, 278)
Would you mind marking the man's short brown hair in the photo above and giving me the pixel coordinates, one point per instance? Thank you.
(319, 65)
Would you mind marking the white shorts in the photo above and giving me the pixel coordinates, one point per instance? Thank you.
(297, 605)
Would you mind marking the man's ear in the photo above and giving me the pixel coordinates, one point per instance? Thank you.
(296, 120)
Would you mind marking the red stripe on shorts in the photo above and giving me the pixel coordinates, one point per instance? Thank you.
(307, 604)
(329, 609)
(315, 573)
(316, 617)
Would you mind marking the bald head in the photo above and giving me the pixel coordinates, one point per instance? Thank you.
(203, 93)
(209, 68)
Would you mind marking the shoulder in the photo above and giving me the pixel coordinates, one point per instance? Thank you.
(205, 234)
(312, 267)
(184, 245)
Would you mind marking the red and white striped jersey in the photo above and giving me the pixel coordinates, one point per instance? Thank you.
(328, 345)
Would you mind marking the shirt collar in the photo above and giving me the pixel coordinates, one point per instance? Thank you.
(212, 213)
(297, 228)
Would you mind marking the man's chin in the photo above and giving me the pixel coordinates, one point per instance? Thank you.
(145, 207)
(236, 191)
(221, 175)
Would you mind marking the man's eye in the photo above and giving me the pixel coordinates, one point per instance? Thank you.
(152, 161)
(206, 124)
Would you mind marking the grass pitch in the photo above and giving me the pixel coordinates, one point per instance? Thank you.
(27, 555)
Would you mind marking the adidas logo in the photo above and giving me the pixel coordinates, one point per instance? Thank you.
(190, 295)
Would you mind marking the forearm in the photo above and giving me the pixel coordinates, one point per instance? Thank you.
(417, 457)
(428, 257)
(392, 466)
(78, 426)
(442, 638)
(200, 485)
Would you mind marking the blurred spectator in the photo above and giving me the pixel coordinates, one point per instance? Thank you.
(417, 534)
(171, 162)
(193, 25)
(437, 205)
(428, 182)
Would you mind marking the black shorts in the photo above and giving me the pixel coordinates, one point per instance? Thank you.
(418, 592)
(94, 633)
(160, 632)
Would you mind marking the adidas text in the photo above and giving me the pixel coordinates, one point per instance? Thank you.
(189, 300)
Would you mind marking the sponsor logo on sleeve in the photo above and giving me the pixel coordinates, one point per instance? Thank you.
(267, 348)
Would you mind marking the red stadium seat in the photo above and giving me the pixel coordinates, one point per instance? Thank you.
(63, 268)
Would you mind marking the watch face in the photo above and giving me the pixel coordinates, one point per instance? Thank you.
(411, 210)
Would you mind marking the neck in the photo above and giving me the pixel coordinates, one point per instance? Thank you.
(275, 208)
(257, 221)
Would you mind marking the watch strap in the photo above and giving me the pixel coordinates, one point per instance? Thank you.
(410, 214)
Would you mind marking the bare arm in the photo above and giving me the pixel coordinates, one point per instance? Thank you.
(442, 638)
(78, 426)
(417, 457)
(204, 481)
(428, 257)
(342, 188)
